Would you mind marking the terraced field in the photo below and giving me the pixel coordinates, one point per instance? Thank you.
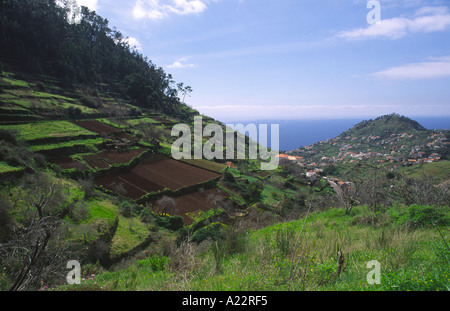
(35, 132)
(207, 165)
(25, 101)
(173, 174)
(201, 201)
(120, 185)
(107, 158)
(68, 163)
(97, 127)
(6, 168)
(166, 173)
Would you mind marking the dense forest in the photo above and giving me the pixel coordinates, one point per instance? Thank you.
(36, 36)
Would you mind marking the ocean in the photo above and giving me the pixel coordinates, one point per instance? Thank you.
(297, 133)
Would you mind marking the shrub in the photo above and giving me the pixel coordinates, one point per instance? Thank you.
(88, 186)
(228, 177)
(99, 251)
(6, 222)
(8, 136)
(233, 240)
(155, 262)
(252, 193)
(211, 231)
(125, 209)
(173, 223)
(146, 215)
(90, 101)
(74, 112)
(80, 212)
(421, 216)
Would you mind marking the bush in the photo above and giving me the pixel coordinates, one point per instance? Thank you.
(155, 262)
(211, 231)
(99, 251)
(88, 186)
(8, 136)
(233, 240)
(421, 216)
(90, 101)
(80, 212)
(252, 193)
(74, 112)
(125, 209)
(147, 216)
(173, 223)
(6, 222)
(417, 216)
(228, 177)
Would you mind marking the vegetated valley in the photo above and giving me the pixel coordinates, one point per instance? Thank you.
(86, 174)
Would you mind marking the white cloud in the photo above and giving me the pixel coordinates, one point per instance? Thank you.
(91, 4)
(159, 9)
(134, 43)
(181, 64)
(435, 68)
(426, 19)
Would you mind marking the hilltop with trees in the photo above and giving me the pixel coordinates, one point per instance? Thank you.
(36, 37)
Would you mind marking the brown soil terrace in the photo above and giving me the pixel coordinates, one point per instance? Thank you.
(144, 178)
(97, 127)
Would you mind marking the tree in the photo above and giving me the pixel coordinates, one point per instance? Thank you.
(78, 46)
(166, 205)
(35, 247)
(372, 191)
(424, 190)
(185, 90)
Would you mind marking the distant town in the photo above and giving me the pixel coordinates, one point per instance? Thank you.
(400, 148)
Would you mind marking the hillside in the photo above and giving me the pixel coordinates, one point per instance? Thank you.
(392, 139)
(101, 161)
(123, 206)
(86, 174)
(107, 175)
(384, 126)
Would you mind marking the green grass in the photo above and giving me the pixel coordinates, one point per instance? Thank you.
(47, 129)
(272, 196)
(130, 233)
(110, 122)
(50, 96)
(102, 209)
(439, 170)
(25, 97)
(16, 82)
(300, 255)
(6, 168)
(145, 120)
(89, 143)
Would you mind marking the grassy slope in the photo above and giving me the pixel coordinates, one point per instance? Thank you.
(269, 259)
(48, 129)
(439, 170)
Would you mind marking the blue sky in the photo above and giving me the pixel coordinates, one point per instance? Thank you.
(295, 59)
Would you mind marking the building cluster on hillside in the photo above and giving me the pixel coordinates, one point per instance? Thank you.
(393, 149)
